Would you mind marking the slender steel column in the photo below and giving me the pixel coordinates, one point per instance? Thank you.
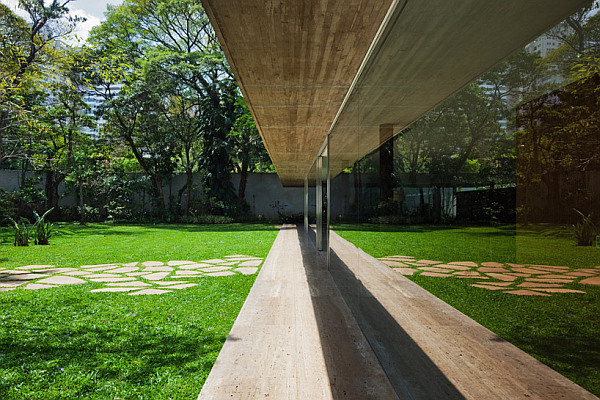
(306, 204)
(319, 203)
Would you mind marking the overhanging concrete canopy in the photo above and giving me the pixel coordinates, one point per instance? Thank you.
(362, 70)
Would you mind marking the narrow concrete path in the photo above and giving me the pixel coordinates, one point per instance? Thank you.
(362, 331)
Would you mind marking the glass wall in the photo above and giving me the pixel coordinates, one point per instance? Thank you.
(494, 192)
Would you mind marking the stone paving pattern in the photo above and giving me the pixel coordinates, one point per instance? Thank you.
(518, 279)
(133, 278)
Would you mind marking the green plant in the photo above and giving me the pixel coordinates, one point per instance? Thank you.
(585, 231)
(22, 231)
(42, 229)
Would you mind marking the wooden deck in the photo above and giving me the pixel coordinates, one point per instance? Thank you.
(362, 331)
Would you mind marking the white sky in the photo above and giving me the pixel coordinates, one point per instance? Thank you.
(92, 10)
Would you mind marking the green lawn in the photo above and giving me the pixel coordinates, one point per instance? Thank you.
(67, 343)
(562, 331)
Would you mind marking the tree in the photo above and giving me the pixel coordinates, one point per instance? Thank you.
(170, 45)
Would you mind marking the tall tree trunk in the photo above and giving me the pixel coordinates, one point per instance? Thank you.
(243, 181)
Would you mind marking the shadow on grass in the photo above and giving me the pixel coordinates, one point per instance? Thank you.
(83, 345)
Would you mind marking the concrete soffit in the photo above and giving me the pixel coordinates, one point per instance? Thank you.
(361, 73)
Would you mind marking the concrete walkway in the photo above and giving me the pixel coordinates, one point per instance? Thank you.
(362, 331)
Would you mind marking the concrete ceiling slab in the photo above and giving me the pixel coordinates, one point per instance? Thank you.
(345, 68)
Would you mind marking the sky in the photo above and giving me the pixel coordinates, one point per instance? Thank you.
(92, 10)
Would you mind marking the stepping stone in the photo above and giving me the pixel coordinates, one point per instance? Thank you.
(14, 272)
(393, 263)
(167, 283)
(129, 284)
(131, 264)
(37, 286)
(114, 289)
(464, 263)
(214, 261)
(430, 262)
(156, 276)
(454, 267)
(405, 257)
(149, 291)
(470, 277)
(188, 273)
(237, 255)
(105, 276)
(435, 269)
(520, 292)
(563, 281)
(248, 270)
(252, 263)
(242, 258)
(55, 270)
(492, 264)
(215, 269)
(6, 289)
(580, 274)
(554, 290)
(25, 277)
(415, 264)
(504, 284)
(515, 265)
(78, 273)
(435, 274)
(96, 269)
(503, 277)
(195, 266)
(36, 266)
(136, 273)
(152, 263)
(99, 265)
(591, 281)
(175, 263)
(488, 287)
(548, 266)
(112, 279)
(530, 271)
(62, 280)
(467, 273)
(123, 270)
(183, 286)
(222, 273)
(405, 271)
(492, 269)
(590, 270)
(553, 269)
(539, 285)
(234, 263)
(11, 284)
(555, 276)
(157, 269)
(519, 274)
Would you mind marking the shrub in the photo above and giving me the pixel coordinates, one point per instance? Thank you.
(22, 230)
(585, 231)
(42, 229)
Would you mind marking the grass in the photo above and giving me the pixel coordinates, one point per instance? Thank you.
(563, 331)
(67, 343)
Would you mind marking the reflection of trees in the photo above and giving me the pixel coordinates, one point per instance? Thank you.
(559, 152)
